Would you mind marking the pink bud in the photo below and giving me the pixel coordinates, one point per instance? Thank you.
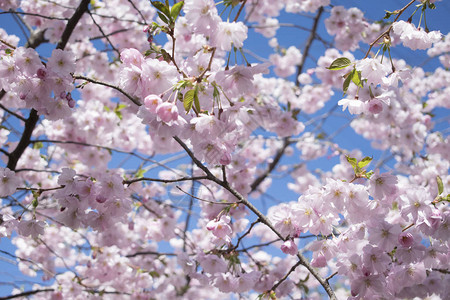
(226, 159)
(42, 73)
(100, 199)
(71, 103)
(406, 239)
(151, 102)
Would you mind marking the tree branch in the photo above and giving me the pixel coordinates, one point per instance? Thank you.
(73, 21)
(309, 42)
(36, 39)
(302, 259)
(134, 100)
(26, 294)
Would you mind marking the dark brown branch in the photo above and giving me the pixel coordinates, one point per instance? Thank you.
(286, 141)
(73, 21)
(331, 276)
(139, 12)
(30, 124)
(258, 245)
(26, 294)
(245, 234)
(285, 276)
(109, 34)
(309, 42)
(35, 39)
(134, 100)
(103, 34)
(32, 14)
(204, 200)
(240, 10)
(164, 180)
(150, 253)
(262, 218)
(272, 165)
(9, 111)
(386, 32)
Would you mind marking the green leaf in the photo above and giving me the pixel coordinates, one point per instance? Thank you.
(163, 17)
(347, 81)
(182, 84)
(340, 63)
(8, 51)
(117, 110)
(364, 162)
(188, 100)
(440, 185)
(387, 15)
(216, 93)
(35, 201)
(164, 8)
(233, 3)
(175, 10)
(196, 101)
(356, 78)
(352, 161)
(120, 106)
(38, 145)
(369, 174)
(140, 173)
(166, 55)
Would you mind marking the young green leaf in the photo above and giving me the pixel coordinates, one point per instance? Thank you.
(347, 81)
(356, 78)
(340, 63)
(140, 173)
(196, 101)
(38, 145)
(216, 93)
(175, 10)
(35, 201)
(188, 100)
(163, 17)
(352, 161)
(164, 9)
(440, 185)
(364, 162)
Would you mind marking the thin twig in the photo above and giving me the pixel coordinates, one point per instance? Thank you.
(386, 32)
(134, 100)
(285, 276)
(164, 180)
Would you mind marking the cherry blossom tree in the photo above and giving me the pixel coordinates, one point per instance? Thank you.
(141, 140)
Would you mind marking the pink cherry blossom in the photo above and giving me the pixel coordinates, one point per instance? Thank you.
(167, 112)
(220, 228)
(413, 37)
(9, 182)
